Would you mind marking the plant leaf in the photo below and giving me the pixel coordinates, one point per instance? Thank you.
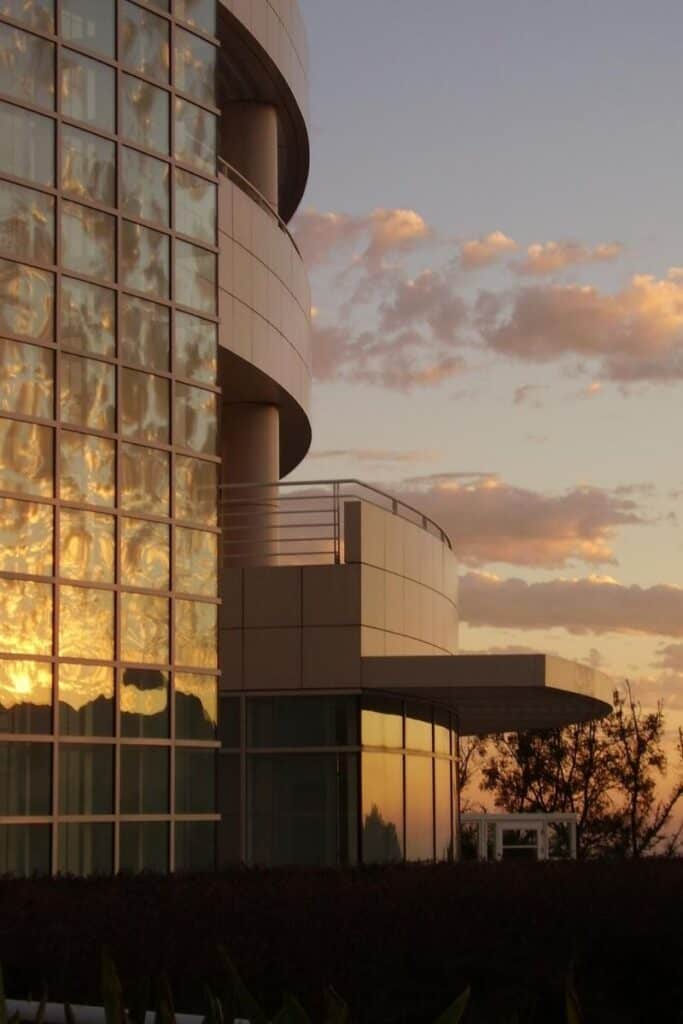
(456, 1011)
(240, 1002)
(69, 1016)
(40, 1013)
(336, 1010)
(112, 995)
(573, 1007)
(165, 1012)
(292, 1012)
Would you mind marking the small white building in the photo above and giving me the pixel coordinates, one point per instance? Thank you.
(518, 836)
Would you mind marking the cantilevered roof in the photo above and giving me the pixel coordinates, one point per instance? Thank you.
(497, 692)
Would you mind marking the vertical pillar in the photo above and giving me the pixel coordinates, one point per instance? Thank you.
(250, 143)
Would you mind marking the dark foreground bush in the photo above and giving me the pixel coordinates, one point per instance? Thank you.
(398, 944)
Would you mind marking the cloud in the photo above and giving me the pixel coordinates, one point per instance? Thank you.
(671, 657)
(477, 253)
(583, 606)
(427, 299)
(321, 236)
(551, 257)
(529, 394)
(489, 520)
(664, 687)
(377, 455)
(635, 334)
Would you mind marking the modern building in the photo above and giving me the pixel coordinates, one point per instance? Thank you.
(199, 666)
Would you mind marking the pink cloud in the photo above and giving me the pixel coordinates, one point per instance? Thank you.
(478, 253)
(551, 257)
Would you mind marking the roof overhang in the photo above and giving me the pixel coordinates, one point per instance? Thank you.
(494, 693)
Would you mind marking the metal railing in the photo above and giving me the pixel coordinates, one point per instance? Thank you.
(301, 523)
(233, 175)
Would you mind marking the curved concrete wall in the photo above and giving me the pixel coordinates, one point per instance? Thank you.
(264, 296)
(278, 27)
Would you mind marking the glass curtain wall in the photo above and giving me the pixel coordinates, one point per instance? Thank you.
(329, 780)
(108, 461)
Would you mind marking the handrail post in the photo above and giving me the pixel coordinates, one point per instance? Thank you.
(336, 522)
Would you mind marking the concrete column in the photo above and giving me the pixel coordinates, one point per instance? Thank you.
(250, 143)
(250, 442)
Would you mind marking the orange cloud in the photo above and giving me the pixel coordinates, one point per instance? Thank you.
(551, 257)
(428, 299)
(484, 252)
(322, 235)
(580, 606)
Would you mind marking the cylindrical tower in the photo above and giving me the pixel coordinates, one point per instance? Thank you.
(109, 461)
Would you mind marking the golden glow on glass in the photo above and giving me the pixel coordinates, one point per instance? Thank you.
(144, 629)
(196, 349)
(25, 682)
(195, 136)
(144, 480)
(88, 166)
(82, 685)
(418, 727)
(27, 67)
(25, 617)
(145, 114)
(382, 776)
(195, 206)
(144, 185)
(195, 277)
(195, 67)
(194, 419)
(145, 554)
(419, 809)
(86, 546)
(26, 385)
(90, 25)
(28, 149)
(144, 693)
(196, 490)
(27, 223)
(196, 634)
(144, 42)
(443, 802)
(196, 706)
(88, 241)
(86, 623)
(86, 393)
(200, 13)
(87, 469)
(88, 91)
(26, 301)
(382, 723)
(88, 317)
(145, 260)
(145, 330)
(25, 537)
(26, 458)
(196, 562)
(38, 14)
(144, 402)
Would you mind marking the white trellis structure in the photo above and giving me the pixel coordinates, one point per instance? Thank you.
(490, 837)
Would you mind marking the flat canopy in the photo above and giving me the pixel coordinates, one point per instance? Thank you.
(497, 692)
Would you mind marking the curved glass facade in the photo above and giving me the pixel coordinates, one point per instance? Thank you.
(108, 459)
(335, 779)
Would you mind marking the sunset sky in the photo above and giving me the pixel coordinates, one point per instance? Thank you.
(493, 230)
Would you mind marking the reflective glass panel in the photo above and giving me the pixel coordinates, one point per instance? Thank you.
(144, 703)
(90, 24)
(26, 301)
(88, 317)
(200, 13)
(86, 546)
(195, 791)
(88, 241)
(145, 557)
(144, 780)
(25, 617)
(145, 114)
(195, 207)
(25, 537)
(86, 469)
(144, 42)
(143, 846)
(196, 562)
(25, 850)
(86, 779)
(195, 846)
(196, 352)
(195, 277)
(302, 722)
(194, 419)
(443, 802)
(27, 223)
(196, 636)
(229, 828)
(302, 809)
(86, 393)
(382, 722)
(196, 490)
(382, 808)
(144, 629)
(144, 333)
(442, 731)
(144, 480)
(418, 726)
(38, 14)
(230, 722)
(145, 260)
(419, 809)
(86, 700)
(86, 849)
(144, 406)
(26, 458)
(144, 187)
(27, 67)
(25, 697)
(26, 385)
(25, 779)
(28, 149)
(196, 707)
(88, 91)
(195, 136)
(88, 166)
(86, 623)
(195, 67)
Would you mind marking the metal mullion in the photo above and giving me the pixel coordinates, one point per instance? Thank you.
(172, 765)
(47, 268)
(30, 30)
(37, 342)
(12, 179)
